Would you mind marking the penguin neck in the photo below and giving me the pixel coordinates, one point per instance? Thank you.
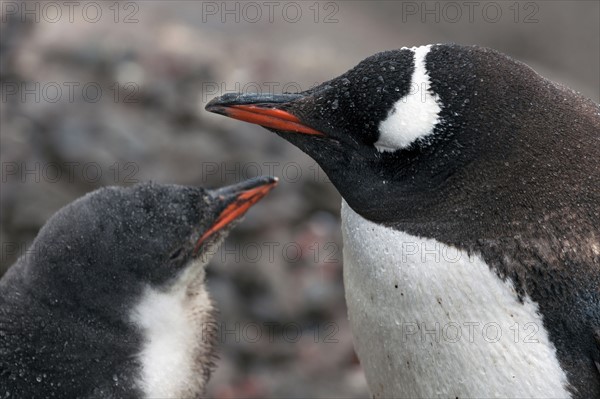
(383, 188)
(178, 326)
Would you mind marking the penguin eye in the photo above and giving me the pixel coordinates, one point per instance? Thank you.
(176, 254)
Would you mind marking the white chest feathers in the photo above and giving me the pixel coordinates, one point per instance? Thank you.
(430, 321)
(177, 352)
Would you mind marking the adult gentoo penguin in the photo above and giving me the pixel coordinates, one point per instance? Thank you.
(110, 300)
(471, 214)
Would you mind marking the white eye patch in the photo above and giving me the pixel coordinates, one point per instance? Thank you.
(414, 115)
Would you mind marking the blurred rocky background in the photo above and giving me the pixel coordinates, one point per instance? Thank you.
(105, 93)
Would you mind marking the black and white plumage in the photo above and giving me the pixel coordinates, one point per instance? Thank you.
(471, 194)
(110, 300)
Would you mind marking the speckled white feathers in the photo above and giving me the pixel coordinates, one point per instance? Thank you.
(177, 347)
(430, 321)
(415, 115)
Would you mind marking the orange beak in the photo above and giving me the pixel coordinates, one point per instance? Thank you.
(242, 197)
(261, 110)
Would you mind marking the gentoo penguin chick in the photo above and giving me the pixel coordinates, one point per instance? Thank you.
(110, 302)
(471, 206)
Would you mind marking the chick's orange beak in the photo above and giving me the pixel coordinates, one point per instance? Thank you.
(240, 198)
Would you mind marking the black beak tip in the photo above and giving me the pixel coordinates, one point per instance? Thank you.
(234, 190)
(226, 100)
(216, 108)
(264, 181)
(222, 101)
